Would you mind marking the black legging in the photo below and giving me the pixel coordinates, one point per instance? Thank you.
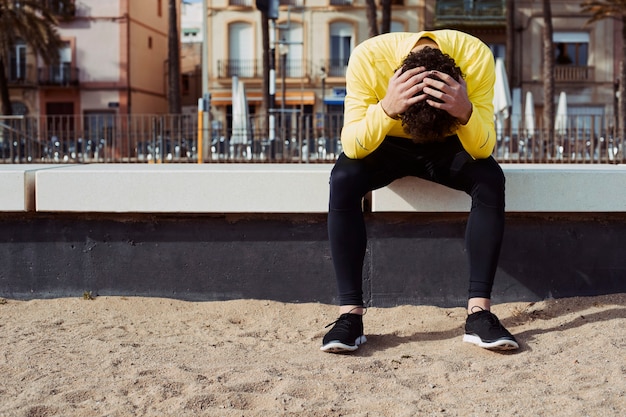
(443, 162)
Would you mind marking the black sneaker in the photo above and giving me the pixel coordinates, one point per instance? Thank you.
(484, 329)
(346, 334)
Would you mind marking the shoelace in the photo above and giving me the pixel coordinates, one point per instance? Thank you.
(342, 323)
(494, 323)
(344, 318)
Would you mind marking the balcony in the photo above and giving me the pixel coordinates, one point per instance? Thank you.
(63, 9)
(340, 2)
(470, 12)
(21, 75)
(573, 73)
(249, 68)
(243, 68)
(295, 3)
(336, 67)
(58, 75)
(241, 3)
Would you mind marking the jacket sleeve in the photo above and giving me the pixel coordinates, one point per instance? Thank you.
(478, 135)
(365, 123)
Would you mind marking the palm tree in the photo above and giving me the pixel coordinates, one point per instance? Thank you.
(371, 18)
(173, 60)
(385, 23)
(612, 9)
(33, 22)
(548, 74)
(265, 39)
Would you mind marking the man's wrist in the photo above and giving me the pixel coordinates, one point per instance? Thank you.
(469, 115)
(396, 117)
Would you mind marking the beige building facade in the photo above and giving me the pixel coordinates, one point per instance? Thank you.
(113, 62)
(314, 38)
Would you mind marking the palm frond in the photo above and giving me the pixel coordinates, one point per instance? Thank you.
(606, 9)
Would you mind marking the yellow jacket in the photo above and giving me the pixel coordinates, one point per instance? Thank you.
(374, 61)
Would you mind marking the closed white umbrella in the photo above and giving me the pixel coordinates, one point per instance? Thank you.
(501, 97)
(240, 116)
(502, 93)
(560, 122)
(529, 114)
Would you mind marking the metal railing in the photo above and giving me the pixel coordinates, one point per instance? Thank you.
(298, 138)
(573, 73)
(59, 75)
(470, 10)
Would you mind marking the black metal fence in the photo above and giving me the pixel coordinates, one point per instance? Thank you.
(294, 138)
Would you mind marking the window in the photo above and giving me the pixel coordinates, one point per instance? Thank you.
(396, 26)
(241, 52)
(185, 84)
(341, 36)
(62, 73)
(498, 50)
(293, 38)
(159, 8)
(17, 70)
(571, 48)
(19, 108)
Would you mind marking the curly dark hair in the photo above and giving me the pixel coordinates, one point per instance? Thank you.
(421, 121)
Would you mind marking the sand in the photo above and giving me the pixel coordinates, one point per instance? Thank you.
(135, 356)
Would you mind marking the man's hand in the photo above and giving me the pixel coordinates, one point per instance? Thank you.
(450, 93)
(403, 90)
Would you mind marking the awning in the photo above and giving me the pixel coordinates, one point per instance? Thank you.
(570, 37)
(334, 101)
(292, 98)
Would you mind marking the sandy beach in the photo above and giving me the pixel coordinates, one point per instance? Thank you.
(135, 356)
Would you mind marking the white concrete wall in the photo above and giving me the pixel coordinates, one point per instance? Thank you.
(287, 188)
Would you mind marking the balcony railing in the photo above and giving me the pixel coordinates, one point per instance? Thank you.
(241, 3)
(248, 68)
(243, 68)
(461, 10)
(573, 73)
(335, 67)
(341, 2)
(58, 75)
(21, 75)
(63, 9)
(296, 3)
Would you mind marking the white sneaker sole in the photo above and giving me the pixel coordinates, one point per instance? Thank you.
(502, 344)
(337, 347)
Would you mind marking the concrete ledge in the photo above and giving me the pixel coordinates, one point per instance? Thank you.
(17, 187)
(287, 188)
(530, 188)
(185, 188)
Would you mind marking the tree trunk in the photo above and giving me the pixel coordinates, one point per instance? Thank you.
(371, 18)
(4, 91)
(265, 84)
(510, 43)
(622, 84)
(385, 23)
(548, 77)
(173, 59)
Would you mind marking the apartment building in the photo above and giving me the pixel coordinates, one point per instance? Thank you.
(314, 38)
(587, 58)
(113, 62)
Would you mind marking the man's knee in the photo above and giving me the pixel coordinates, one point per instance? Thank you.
(348, 183)
(490, 184)
(347, 175)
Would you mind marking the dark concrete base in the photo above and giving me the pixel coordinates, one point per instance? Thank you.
(411, 258)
